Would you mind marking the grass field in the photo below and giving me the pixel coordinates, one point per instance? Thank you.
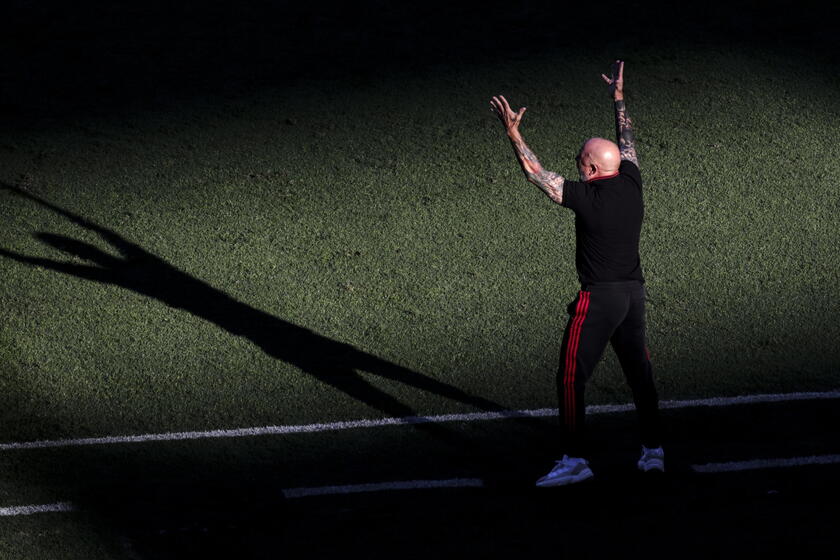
(360, 243)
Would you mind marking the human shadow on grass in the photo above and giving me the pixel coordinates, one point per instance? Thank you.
(335, 363)
(201, 509)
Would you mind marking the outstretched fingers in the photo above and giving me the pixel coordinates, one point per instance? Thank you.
(502, 107)
(496, 106)
(505, 104)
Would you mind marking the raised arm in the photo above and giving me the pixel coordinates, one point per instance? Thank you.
(550, 183)
(623, 126)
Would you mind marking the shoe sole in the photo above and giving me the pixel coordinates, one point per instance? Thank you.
(566, 481)
(658, 468)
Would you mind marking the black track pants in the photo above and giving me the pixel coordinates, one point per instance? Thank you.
(611, 312)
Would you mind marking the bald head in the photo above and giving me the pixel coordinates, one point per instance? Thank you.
(598, 157)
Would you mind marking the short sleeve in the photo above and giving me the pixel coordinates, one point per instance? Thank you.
(577, 195)
(629, 169)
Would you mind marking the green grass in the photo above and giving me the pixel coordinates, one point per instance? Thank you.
(376, 202)
(392, 216)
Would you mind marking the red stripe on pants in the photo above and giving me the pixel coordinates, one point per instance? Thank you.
(571, 358)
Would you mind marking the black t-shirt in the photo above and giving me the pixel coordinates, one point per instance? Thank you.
(608, 223)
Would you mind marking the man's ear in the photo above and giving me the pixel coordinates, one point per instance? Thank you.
(593, 170)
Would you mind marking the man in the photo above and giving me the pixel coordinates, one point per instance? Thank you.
(610, 306)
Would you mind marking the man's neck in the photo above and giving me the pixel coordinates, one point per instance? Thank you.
(603, 176)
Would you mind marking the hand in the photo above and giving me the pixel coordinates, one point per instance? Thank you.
(510, 120)
(616, 83)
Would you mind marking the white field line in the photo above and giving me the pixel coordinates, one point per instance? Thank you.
(29, 510)
(290, 493)
(383, 486)
(766, 464)
(408, 420)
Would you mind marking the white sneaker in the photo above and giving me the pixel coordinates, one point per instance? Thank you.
(568, 470)
(652, 459)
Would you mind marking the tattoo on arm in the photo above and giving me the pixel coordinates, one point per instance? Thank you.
(624, 132)
(550, 183)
